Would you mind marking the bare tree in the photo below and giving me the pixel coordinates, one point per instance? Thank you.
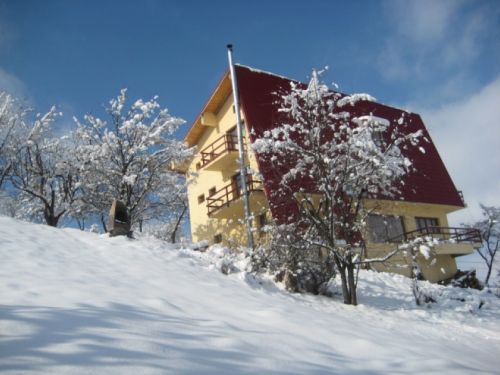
(167, 208)
(330, 161)
(490, 232)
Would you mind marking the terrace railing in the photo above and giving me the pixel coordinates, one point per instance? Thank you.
(230, 193)
(457, 235)
(222, 145)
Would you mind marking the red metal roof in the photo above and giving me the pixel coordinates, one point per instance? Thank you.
(430, 184)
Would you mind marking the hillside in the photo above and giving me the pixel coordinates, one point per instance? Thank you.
(80, 303)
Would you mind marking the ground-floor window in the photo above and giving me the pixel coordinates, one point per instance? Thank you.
(218, 238)
(385, 228)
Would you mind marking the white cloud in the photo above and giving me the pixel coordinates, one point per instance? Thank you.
(467, 136)
(424, 21)
(436, 40)
(12, 84)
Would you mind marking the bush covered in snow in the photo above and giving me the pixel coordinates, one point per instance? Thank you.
(293, 261)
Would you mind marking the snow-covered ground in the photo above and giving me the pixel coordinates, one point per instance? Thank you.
(81, 303)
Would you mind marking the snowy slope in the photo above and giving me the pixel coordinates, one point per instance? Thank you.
(80, 303)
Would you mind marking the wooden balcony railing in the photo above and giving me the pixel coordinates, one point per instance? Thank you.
(222, 145)
(457, 235)
(230, 193)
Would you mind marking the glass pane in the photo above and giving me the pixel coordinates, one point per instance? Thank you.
(384, 228)
(427, 224)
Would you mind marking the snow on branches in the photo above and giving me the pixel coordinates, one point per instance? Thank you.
(43, 169)
(331, 159)
(128, 157)
(11, 122)
(490, 233)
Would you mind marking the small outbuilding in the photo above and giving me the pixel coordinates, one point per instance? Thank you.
(119, 220)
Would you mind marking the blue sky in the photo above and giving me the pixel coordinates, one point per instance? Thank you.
(439, 58)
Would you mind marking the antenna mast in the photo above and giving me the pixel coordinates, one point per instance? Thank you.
(243, 168)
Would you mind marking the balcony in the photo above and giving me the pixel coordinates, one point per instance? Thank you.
(228, 202)
(455, 241)
(222, 154)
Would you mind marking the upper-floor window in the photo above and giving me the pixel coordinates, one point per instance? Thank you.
(201, 198)
(378, 138)
(262, 220)
(384, 228)
(378, 127)
(211, 191)
(237, 186)
(233, 135)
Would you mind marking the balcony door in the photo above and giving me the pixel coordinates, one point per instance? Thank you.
(237, 187)
(232, 137)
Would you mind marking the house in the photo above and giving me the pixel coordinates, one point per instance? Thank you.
(214, 192)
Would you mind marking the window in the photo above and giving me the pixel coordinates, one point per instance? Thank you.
(237, 187)
(198, 166)
(201, 198)
(262, 220)
(233, 135)
(378, 138)
(377, 124)
(427, 224)
(218, 238)
(385, 228)
(211, 191)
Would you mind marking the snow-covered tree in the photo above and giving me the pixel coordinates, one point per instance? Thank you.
(129, 158)
(490, 233)
(329, 161)
(170, 205)
(11, 121)
(43, 170)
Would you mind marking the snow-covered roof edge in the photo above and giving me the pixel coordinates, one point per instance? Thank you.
(255, 70)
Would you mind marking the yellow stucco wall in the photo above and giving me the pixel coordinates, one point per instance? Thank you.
(227, 221)
(441, 265)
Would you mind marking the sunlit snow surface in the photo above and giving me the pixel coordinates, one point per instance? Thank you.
(80, 303)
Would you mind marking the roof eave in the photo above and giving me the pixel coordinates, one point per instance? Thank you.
(218, 95)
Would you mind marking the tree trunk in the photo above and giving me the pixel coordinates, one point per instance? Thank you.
(81, 223)
(345, 289)
(51, 220)
(103, 223)
(348, 282)
(488, 274)
(352, 285)
(174, 232)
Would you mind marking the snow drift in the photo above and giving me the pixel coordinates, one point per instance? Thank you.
(80, 303)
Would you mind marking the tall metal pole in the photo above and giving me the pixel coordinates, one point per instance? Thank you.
(243, 168)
